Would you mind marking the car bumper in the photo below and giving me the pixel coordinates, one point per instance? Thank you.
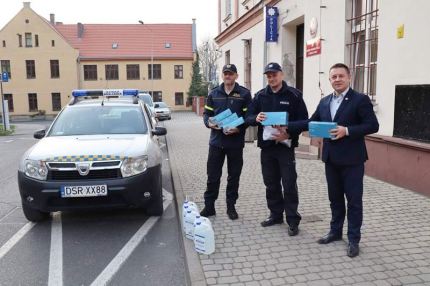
(163, 115)
(135, 191)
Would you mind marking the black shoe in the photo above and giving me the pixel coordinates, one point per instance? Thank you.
(293, 230)
(330, 237)
(271, 220)
(231, 212)
(208, 211)
(353, 250)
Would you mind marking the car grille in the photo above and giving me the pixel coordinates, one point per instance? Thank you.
(92, 175)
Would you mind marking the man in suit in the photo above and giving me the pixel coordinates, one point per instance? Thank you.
(344, 155)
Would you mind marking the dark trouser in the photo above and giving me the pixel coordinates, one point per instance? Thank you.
(278, 164)
(214, 171)
(345, 181)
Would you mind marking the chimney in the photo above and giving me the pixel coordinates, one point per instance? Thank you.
(80, 30)
(52, 19)
(194, 36)
(26, 4)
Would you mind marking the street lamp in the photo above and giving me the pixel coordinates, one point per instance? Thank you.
(152, 58)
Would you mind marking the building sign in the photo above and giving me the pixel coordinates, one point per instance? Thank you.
(4, 77)
(313, 46)
(272, 24)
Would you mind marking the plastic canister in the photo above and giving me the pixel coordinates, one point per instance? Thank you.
(186, 206)
(189, 219)
(204, 236)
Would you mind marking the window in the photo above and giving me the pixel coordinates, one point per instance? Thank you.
(32, 102)
(227, 57)
(4, 44)
(55, 69)
(5, 67)
(9, 99)
(36, 40)
(56, 101)
(133, 72)
(111, 72)
(156, 72)
(31, 69)
(179, 71)
(19, 40)
(179, 98)
(28, 40)
(90, 72)
(363, 48)
(156, 96)
(52, 43)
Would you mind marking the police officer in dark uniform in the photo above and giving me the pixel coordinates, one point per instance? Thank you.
(229, 95)
(277, 147)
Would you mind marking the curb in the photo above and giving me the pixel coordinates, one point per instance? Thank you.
(195, 274)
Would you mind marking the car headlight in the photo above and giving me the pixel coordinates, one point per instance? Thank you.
(35, 169)
(134, 166)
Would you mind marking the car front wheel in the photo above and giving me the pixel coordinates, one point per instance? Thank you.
(156, 205)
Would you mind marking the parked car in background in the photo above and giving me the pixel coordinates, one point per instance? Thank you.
(162, 111)
(147, 99)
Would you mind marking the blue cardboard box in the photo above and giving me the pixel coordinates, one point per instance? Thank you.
(228, 120)
(220, 117)
(321, 129)
(235, 123)
(275, 118)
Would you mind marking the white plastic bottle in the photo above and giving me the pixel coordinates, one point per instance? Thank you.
(186, 206)
(189, 219)
(204, 236)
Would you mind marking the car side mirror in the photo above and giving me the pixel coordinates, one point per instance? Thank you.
(159, 131)
(39, 134)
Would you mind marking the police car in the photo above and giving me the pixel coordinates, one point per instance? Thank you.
(101, 151)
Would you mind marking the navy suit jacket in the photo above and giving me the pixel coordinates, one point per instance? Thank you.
(356, 113)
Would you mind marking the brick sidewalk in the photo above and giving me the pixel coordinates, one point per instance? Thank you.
(395, 245)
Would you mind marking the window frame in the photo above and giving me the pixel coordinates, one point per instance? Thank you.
(156, 72)
(55, 68)
(90, 72)
(111, 72)
(133, 71)
(30, 67)
(5, 67)
(9, 101)
(54, 106)
(179, 71)
(28, 40)
(182, 98)
(34, 101)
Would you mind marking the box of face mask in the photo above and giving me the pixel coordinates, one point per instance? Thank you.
(228, 120)
(321, 129)
(234, 123)
(275, 118)
(220, 117)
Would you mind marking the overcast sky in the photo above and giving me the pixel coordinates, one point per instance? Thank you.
(122, 12)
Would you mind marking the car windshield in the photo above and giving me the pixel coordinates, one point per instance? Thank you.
(160, 105)
(147, 99)
(92, 120)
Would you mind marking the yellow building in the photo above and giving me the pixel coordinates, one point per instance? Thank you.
(46, 60)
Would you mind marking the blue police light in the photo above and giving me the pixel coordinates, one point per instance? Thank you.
(130, 92)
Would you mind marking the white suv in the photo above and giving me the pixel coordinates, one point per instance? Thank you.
(101, 151)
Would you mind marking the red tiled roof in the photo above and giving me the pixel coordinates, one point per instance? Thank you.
(134, 40)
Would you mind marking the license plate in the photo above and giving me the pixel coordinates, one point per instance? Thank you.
(83, 191)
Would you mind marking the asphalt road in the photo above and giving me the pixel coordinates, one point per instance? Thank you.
(123, 247)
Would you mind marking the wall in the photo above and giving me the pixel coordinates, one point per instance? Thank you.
(167, 75)
(401, 61)
(19, 86)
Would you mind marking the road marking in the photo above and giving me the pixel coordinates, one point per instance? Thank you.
(162, 145)
(8, 141)
(56, 253)
(107, 274)
(15, 238)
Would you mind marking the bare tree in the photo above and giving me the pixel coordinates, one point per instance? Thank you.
(208, 56)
